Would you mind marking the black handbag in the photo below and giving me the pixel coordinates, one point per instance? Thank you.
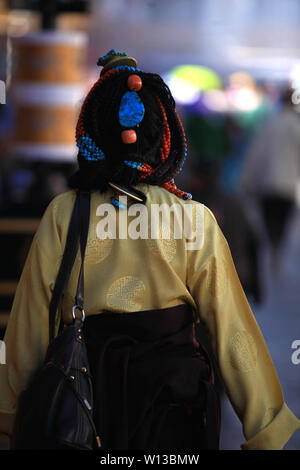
(56, 409)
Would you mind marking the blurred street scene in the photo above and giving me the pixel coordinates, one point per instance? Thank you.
(233, 67)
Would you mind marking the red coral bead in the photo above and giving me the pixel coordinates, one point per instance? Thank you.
(134, 83)
(129, 136)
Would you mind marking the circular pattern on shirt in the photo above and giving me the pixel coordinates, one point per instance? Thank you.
(97, 249)
(243, 352)
(165, 247)
(126, 294)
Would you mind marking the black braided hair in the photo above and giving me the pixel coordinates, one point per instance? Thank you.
(100, 119)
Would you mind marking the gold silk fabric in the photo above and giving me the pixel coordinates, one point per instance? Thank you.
(124, 275)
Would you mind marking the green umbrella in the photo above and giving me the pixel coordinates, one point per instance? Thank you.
(198, 77)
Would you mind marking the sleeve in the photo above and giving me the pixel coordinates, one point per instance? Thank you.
(26, 336)
(245, 366)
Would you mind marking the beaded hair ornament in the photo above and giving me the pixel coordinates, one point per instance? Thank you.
(131, 114)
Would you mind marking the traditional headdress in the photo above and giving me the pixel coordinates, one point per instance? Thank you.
(131, 112)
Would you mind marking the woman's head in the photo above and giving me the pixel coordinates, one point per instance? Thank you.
(104, 155)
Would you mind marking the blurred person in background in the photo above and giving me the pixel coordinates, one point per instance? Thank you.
(271, 173)
(228, 211)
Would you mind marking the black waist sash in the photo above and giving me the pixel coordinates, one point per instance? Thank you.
(153, 383)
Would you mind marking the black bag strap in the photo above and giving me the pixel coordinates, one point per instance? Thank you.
(84, 210)
(78, 226)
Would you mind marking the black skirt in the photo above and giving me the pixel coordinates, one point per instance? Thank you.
(153, 383)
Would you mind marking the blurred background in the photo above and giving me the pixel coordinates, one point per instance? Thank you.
(233, 67)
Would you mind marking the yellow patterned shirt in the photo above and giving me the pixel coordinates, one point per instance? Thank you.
(130, 274)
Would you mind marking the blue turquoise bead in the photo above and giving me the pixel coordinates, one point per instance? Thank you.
(89, 150)
(132, 110)
(103, 59)
(131, 164)
(117, 204)
(126, 67)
